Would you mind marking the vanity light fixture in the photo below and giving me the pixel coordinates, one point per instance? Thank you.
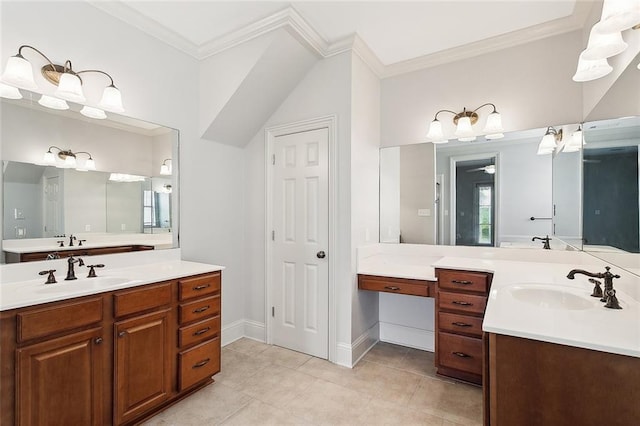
(549, 141)
(69, 159)
(464, 121)
(605, 38)
(18, 74)
(9, 92)
(165, 169)
(575, 143)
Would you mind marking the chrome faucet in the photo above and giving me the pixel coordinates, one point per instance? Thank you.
(609, 295)
(545, 242)
(71, 273)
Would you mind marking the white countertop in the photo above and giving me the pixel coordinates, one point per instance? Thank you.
(34, 245)
(16, 292)
(588, 325)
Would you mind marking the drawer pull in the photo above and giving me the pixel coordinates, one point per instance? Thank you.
(97, 340)
(461, 324)
(201, 287)
(461, 355)
(201, 363)
(202, 331)
(122, 334)
(458, 302)
(391, 287)
(462, 282)
(200, 310)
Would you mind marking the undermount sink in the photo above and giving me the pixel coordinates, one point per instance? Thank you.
(82, 283)
(552, 297)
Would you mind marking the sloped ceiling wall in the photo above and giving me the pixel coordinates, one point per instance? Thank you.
(272, 70)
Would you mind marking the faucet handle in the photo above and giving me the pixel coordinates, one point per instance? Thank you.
(92, 271)
(80, 242)
(612, 300)
(597, 290)
(51, 279)
(608, 268)
(61, 243)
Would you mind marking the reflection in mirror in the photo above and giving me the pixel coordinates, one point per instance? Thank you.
(126, 204)
(611, 219)
(567, 195)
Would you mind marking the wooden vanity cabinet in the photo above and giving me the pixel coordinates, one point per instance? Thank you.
(539, 383)
(113, 358)
(142, 350)
(461, 299)
(407, 286)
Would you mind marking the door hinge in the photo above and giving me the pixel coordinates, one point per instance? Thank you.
(273, 235)
(273, 159)
(273, 311)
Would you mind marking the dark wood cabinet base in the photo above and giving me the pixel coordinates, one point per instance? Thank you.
(539, 383)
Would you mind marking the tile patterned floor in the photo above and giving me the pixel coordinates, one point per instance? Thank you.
(267, 385)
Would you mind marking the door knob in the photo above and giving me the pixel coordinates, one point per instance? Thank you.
(321, 255)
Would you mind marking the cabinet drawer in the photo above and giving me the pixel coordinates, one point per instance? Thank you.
(199, 331)
(199, 286)
(462, 324)
(466, 281)
(462, 302)
(141, 299)
(199, 309)
(394, 285)
(199, 363)
(56, 319)
(460, 352)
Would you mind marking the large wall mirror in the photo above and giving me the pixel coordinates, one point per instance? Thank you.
(129, 199)
(607, 189)
(482, 193)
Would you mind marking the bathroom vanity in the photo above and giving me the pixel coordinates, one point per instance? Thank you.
(544, 350)
(109, 350)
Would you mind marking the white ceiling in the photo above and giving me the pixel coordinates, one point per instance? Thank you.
(394, 31)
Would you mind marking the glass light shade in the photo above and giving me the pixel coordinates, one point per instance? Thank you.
(53, 103)
(440, 141)
(603, 45)
(164, 170)
(490, 169)
(619, 15)
(494, 124)
(464, 132)
(468, 139)
(92, 112)
(435, 132)
(591, 70)
(70, 88)
(19, 73)
(9, 92)
(547, 144)
(575, 143)
(111, 99)
(90, 164)
(48, 158)
(69, 162)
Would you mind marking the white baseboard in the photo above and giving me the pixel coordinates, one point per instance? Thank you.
(255, 330)
(366, 341)
(407, 336)
(232, 332)
(343, 355)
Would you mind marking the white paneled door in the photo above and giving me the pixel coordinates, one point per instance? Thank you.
(300, 240)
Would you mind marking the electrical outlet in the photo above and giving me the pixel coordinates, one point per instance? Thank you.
(424, 212)
(18, 214)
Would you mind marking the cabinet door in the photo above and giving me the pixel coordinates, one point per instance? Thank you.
(59, 382)
(142, 364)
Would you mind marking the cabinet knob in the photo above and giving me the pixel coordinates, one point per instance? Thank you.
(97, 340)
(122, 334)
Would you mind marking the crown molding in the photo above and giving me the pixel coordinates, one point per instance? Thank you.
(290, 20)
(150, 26)
(573, 22)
